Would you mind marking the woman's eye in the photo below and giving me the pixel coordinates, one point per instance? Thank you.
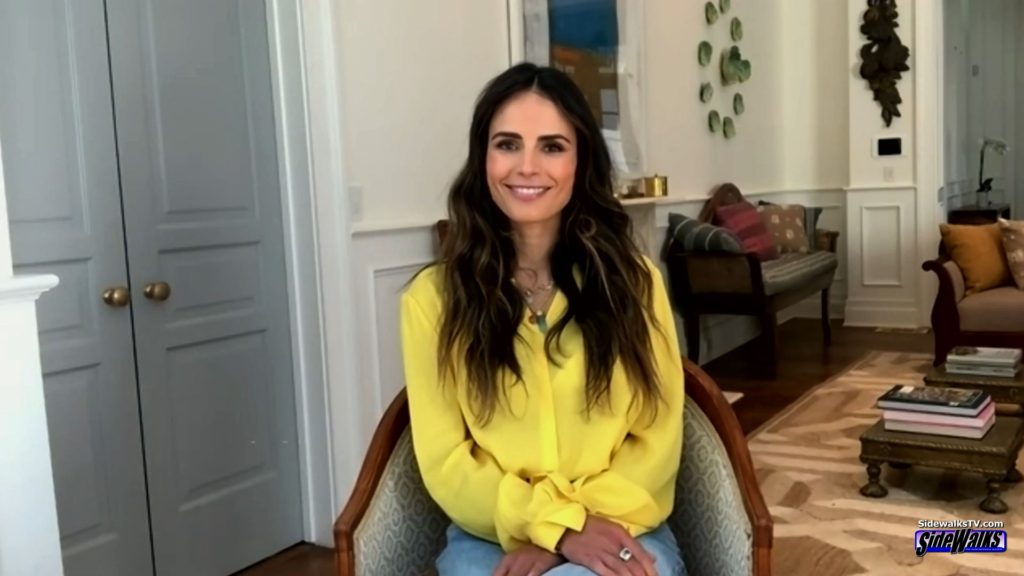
(553, 148)
(508, 145)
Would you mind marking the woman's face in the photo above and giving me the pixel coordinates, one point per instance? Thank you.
(531, 159)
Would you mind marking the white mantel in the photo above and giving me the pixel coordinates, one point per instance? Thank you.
(29, 535)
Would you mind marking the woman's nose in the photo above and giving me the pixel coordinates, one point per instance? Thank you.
(528, 163)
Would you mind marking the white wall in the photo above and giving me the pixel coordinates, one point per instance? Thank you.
(410, 81)
(793, 134)
(411, 72)
(891, 202)
(865, 118)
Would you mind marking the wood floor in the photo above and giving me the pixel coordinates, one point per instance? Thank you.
(804, 362)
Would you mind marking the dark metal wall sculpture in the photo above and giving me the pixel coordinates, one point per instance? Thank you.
(883, 57)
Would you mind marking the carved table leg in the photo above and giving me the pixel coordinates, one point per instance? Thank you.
(992, 503)
(874, 489)
(1013, 476)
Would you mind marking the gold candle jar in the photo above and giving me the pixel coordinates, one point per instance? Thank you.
(655, 186)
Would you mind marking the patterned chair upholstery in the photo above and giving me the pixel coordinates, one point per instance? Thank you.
(391, 527)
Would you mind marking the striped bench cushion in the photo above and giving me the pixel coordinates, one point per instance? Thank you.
(695, 236)
(794, 269)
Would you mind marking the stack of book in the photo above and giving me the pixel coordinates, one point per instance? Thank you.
(978, 361)
(941, 411)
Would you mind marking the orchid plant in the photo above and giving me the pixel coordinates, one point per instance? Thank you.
(985, 184)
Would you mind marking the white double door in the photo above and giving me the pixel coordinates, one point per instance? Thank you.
(141, 167)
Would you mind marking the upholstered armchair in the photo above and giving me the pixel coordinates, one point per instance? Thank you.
(391, 527)
(993, 317)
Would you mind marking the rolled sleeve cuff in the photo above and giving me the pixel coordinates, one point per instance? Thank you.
(548, 532)
(534, 513)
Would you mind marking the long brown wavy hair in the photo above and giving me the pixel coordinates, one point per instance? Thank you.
(612, 303)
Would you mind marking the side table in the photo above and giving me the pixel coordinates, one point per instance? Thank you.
(974, 214)
(1002, 390)
(993, 456)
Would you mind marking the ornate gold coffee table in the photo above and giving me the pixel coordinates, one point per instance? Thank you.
(1002, 390)
(994, 456)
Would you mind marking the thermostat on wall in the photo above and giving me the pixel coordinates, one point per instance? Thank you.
(887, 146)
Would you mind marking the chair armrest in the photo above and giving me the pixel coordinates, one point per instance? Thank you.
(696, 273)
(703, 391)
(385, 438)
(945, 315)
(826, 240)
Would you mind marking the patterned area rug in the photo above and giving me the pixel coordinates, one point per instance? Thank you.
(808, 467)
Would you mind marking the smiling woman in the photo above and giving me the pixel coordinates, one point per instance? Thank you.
(553, 447)
(530, 175)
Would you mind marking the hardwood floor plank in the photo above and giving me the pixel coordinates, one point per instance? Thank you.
(300, 560)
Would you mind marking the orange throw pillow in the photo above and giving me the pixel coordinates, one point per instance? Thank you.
(978, 252)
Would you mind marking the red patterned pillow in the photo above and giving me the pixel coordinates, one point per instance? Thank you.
(743, 220)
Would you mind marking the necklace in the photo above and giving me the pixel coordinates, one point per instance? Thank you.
(530, 294)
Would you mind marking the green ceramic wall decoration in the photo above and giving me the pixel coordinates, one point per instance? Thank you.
(714, 122)
(736, 29)
(720, 86)
(710, 13)
(734, 68)
(706, 92)
(704, 51)
(728, 127)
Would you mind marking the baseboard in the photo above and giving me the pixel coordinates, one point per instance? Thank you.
(861, 313)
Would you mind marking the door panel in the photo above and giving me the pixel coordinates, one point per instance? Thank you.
(56, 120)
(193, 100)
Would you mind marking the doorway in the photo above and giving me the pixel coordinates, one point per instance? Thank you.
(141, 155)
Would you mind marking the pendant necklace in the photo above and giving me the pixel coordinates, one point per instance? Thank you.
(537, 316)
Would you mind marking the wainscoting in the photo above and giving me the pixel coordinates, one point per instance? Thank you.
(884, 270)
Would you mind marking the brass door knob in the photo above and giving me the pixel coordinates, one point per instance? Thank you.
(117, 297)
(158, 291)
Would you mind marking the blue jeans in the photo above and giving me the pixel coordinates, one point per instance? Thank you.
(467, 555)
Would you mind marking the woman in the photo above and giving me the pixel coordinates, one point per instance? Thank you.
(543, 372)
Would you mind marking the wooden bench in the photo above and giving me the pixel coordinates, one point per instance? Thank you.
(722, 283)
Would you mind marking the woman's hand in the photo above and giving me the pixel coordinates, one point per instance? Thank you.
(529, 560)
(597, 548)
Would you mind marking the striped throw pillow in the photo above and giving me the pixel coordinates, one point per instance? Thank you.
(695, 236)
(744, 221)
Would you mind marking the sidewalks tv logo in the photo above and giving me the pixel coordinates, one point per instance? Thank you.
(959, 536)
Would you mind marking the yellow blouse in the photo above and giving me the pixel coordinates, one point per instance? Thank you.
(540, 465)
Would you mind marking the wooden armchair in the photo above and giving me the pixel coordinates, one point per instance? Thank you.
(705, 283)
(994, 317)
(391, 527)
